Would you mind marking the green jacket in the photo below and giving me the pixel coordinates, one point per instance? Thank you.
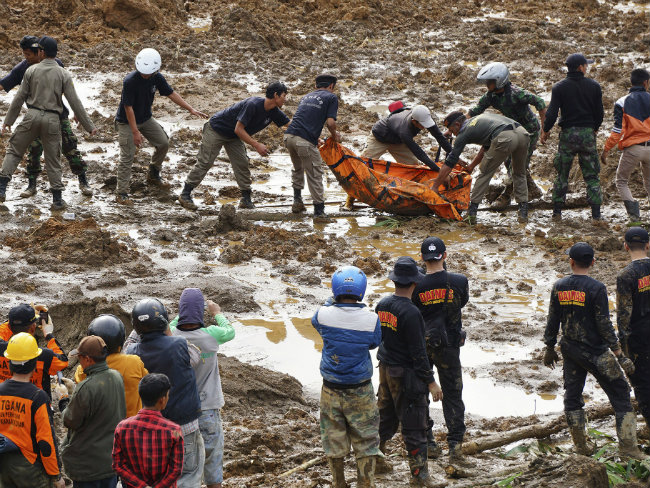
(96, 407)
(514, 103)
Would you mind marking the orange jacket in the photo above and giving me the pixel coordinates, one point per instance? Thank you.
(631, 119)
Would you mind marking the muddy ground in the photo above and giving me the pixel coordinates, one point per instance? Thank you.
(270, 270)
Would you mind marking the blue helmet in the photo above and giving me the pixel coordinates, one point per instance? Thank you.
(349, 280)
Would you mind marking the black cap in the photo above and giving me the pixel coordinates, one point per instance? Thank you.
(325, 79)
(637, 234)
(48, 45)
(29, 42)
(581, 251)
(22, 315)
(405, 271)
(433, 248)
(577, 59)
(453, 117)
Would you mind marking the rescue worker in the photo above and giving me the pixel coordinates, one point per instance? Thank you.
(29, 46)
(440, 297)
(579, 99)
(27, 441)
(396, 133)
(513, 102)
(131, 368)
(348, 411)
(500, 138)
(231, 128)
(189, 325)
(405, 377)
(631, 132)
(91, 414)
(301, 140)
(579, 304)
(169, 355)
(633, 314)
(42, 87)
(52, 359)
(134, 121)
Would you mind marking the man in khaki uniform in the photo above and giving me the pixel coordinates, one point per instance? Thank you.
(42, 88)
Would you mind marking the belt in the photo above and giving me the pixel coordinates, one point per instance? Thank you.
(646, 143)
(43, 109)
(341, 386)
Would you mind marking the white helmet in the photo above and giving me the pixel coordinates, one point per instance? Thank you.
(148, 61)
(494, 71)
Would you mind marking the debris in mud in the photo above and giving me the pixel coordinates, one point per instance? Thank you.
(229, 220)
(573, 472)
(369, 265)
(233, 254)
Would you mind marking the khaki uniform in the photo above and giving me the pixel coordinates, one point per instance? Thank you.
(375, 149)
(42, 89)
(306, 160)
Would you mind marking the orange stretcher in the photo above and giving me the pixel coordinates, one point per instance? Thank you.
(397, 188)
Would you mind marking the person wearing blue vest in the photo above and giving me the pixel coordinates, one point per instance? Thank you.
(348, 409)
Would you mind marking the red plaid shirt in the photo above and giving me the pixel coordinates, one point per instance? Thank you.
(148, 451)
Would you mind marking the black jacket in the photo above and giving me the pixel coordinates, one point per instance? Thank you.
(579, 99)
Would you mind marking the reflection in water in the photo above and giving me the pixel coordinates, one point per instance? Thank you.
(304, 327)
(277, 330)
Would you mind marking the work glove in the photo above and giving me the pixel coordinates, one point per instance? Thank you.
(48, 328)
(627, 364)
(550, 357)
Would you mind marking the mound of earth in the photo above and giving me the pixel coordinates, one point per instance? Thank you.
(573, 472)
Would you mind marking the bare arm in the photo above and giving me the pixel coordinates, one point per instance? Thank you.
(240, 131)
(331, 126)
(178, 100)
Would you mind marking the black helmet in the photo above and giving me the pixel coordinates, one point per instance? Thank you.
(111, 329)
(149, 315)
(29, 42)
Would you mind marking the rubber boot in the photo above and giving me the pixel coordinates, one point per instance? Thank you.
(349, 204)
(382, 466)
(595, 212)
(419, 466)
(245, 201)
(470, 218)
(632, 207)
(456, 456)
(185, 198)
(30, 191)
(505, 198)
(3, 188)
(557, 211)
(298, 205)
(433, 449)
(366, 472)
(319, 210)
(534, 191)
(57, 201)
(123, 199)
(575, 419)
(626, 432)
(83, 185)
(522, 216)
(338, 474)
(153, 178)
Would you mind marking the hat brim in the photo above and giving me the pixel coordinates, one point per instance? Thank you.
(74, 352)
(405, 279)
(427, 123)
(432, 255)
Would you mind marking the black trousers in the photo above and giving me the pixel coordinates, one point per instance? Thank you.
(641, 378)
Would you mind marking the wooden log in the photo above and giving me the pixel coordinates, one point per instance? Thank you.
(303, 466)
(488, 479)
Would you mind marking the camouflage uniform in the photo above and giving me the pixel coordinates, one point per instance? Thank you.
(514, 103)
(69, 148)
(349, 417)
(580, 141)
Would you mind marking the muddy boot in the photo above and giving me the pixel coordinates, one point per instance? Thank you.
(382, 466)
(522, 216)
(456, 456)
(123, 199)
(433, 449)
(419, 466)
(84, 186)
(470, 218)
(298, 205)
(575, 419)
(30, 191)
(349, 204)
(245, 201)
(338, 474)
(626, 432)
(504, 199)
(366, 472)
(3, 188)
(57, 201)
(595, 212)
(557, 211)
(319, 210)
(185, 198)
(632, 207)
(153, 178)
(534, 191)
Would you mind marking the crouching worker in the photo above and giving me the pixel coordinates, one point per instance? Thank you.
(27, 450)
(348, 412)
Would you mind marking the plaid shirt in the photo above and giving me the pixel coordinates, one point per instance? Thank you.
(148, 451)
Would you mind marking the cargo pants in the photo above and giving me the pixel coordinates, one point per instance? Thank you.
(307, 162)
(580, 141)
(17, 472)
(534, 138)
(631, 159)
(375, 149)
(68, 146)
(36, 124)
(640, 379)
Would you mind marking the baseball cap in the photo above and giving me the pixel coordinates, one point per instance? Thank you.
(392, 107)
(637, 234)
(423, 116)
(93, 346)
(453, 117)
(48, 45)
(577, 59)
(29, 42)
(433, 248)
(581, 251)
(22, 315)
(405, 271)
(326, 78)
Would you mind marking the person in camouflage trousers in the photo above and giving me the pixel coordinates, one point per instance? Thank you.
(580, 101)
(513, 102)
(348, 411)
